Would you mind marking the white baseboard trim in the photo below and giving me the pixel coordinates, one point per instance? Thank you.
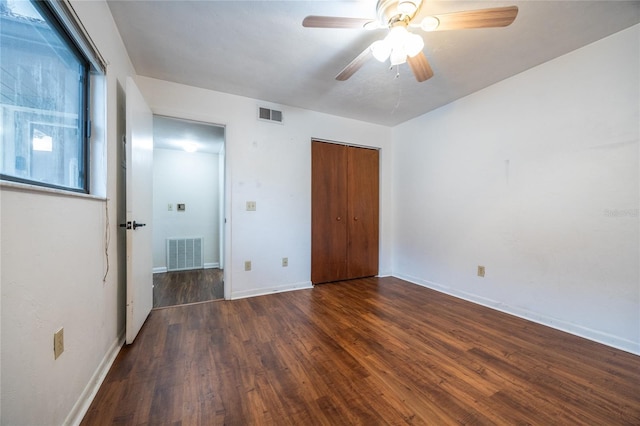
(571, 328)
(86, 397)
(270, 290)
(163, 269)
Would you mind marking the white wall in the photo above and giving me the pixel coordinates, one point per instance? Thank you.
(535, 178)
(191, 179)
(53, 263)
(271, 164)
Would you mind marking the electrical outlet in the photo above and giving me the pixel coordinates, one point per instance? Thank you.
(247, 265)
(480, 271)
(251, 206)
(285, 261)
(58, 343)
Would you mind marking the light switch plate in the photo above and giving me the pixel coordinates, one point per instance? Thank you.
(58, 343)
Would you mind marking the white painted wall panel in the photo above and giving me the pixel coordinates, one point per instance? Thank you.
(53, 262)
(190, 179)
(535, 178)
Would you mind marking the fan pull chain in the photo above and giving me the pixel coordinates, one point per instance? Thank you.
(397, 70)
(395, 108)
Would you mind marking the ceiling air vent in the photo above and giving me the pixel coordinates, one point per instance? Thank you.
(270, 115)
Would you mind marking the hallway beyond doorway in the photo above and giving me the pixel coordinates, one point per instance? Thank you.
(184, 287)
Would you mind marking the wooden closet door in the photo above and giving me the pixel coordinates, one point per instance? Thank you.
(328, 212)
(363, 182)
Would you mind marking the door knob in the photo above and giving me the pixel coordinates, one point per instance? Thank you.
(132, 225)
(138, 225)
(338, 218)
(355, 218)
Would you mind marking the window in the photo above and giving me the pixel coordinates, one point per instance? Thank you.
(44, 88)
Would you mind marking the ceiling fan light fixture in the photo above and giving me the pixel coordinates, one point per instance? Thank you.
(397, 35)
(398, 56)
(397, 45)
(381, 50)
(413, 44)
(396, 39)
(429, 23)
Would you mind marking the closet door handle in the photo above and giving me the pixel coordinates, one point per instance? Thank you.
(338, 218)
(355, 218)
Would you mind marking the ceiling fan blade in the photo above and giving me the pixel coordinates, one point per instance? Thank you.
(334, 22)
(420, 67)
(482, 18)
(355, 65)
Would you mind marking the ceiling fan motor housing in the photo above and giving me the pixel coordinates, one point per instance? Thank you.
(392, 11)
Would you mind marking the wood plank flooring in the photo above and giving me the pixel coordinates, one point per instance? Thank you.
(365, 352)
(184, 287)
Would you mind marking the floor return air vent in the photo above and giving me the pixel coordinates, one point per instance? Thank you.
(184, 254)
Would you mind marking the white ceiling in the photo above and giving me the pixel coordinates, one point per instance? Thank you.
(259, 49)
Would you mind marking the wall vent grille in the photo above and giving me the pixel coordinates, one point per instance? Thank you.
(270, 115)
(184, 254)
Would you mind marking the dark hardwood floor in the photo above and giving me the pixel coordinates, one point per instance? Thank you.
(370, 352)
(184, 287)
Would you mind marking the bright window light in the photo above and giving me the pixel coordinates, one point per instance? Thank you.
(41, 141)
(43, 99)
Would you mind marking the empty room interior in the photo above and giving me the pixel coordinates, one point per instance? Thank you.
(421, 212)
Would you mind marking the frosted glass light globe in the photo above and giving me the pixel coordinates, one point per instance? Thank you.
(381, 50)
(413, 44)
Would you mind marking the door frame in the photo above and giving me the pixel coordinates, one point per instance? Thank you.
(355, 145)
(380, 170)
(225, 219)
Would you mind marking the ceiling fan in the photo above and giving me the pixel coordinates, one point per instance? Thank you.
(401, 45)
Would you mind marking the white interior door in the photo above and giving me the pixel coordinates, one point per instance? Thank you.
(139, 187)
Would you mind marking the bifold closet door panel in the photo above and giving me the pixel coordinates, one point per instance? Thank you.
(363, 180)
(328, 212)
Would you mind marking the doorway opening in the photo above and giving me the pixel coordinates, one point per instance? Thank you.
(188, 211)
